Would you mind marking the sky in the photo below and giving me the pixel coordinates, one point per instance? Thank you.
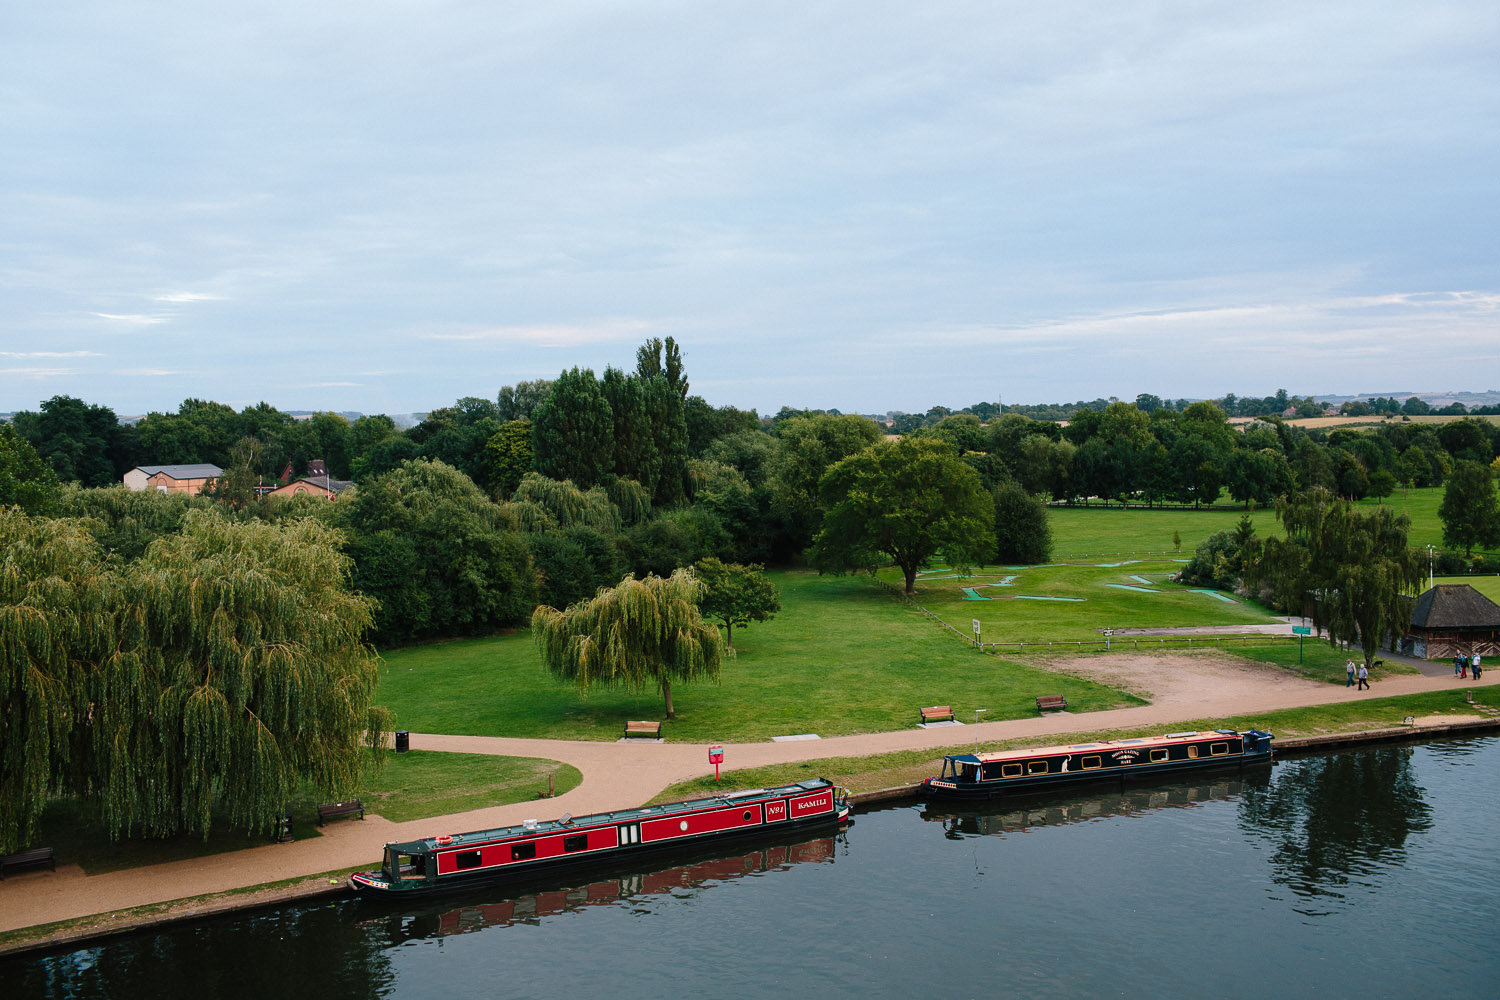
(386, 206)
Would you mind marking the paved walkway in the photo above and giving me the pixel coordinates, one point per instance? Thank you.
(615, 776)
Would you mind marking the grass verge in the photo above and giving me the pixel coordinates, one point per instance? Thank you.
(867, 774)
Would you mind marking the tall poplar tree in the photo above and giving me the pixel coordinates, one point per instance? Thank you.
(572, 431)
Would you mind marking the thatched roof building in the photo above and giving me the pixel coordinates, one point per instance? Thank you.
(1453, 618)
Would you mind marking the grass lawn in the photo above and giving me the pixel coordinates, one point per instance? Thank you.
(842, 657)
(1104, 530)
(866, 774)
(409, 786)
(1083, 598)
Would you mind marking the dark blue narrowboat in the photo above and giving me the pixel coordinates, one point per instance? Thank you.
(539, 847)
(977, 775)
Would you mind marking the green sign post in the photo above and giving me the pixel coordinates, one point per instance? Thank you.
(1299, 631)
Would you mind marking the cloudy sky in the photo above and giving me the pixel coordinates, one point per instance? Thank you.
(384, 206)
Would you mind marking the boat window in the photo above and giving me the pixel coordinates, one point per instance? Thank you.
(468, 859)
(1010, 771)
(1089, 763)
(1157, 755)
(1192, 751)
(1218, 748)
(523, 852)
(1036, 767)
(577, 842)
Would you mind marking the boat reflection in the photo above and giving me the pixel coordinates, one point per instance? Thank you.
(1015, 814)
(475, 910)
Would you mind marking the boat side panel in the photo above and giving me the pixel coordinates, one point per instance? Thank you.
(811, 805)
(736, 817)
(499, 855)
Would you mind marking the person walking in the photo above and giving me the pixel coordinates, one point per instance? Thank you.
(1476, 666)
(1364, 678)
(1349, 668)
(1463, 669)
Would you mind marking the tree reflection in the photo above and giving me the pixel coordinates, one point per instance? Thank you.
(1335, 821)
(274, 953)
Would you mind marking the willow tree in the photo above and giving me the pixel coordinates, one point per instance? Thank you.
(1353, 574)
(240, 670)
(639, 634)
(54, 625)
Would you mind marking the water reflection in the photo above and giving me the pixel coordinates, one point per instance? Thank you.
(480, 908)
(1334, 822)
(1019, 814)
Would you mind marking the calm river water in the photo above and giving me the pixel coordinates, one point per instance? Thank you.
(1368, 874)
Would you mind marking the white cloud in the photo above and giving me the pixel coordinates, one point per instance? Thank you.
(552, 334)
(50, 354)
(129, 319)
(187, 297)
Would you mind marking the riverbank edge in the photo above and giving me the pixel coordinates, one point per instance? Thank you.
(334, 884)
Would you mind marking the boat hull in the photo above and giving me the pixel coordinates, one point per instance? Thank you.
(538, 850)
(973, 777)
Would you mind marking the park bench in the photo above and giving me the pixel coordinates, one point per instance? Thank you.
(33, 858)
(1050, 703)
(937, 713)
(333, 810)
(643, 730)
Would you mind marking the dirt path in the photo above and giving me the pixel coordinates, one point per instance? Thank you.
(623, 775)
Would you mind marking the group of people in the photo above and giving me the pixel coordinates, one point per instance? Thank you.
(1363, 673)
(1461, 664)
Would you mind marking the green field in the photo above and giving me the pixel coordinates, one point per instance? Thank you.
(1072, 601)
(1104, 531)
(842, 657)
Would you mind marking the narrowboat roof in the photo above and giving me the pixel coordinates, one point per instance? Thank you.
(567, 821)
(1144, 741)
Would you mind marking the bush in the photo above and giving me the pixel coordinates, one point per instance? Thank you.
(1450, 564)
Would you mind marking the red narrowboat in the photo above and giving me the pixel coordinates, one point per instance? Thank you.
(537, 847)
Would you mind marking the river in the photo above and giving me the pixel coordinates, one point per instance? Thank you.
(1368, 874)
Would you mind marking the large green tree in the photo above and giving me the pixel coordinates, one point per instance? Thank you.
(1352, 573)
(639, 634)
(1470, 511)
(438, 555)
(1023, 530)
(736, 594)
(214, 674)
(83, 443)
(908, 500)
(572, 431)
(26, 480)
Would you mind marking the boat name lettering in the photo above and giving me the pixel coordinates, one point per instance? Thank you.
(1126, 756)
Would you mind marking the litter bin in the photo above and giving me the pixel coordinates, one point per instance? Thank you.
(403, 741)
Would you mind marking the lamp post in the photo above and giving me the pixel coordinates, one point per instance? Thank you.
(1429, 568)
(976, 727)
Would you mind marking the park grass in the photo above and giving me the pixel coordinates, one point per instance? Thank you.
(1103, 530)
(904, 768)
(842, 657)
(1094, 600)
(409, 786)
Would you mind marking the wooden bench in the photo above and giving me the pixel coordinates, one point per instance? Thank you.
(333, 810)
(937, 713)
(32, 858)
(643, 730)
(1050, 703)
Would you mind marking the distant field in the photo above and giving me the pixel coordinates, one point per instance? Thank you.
(1327, 423)
(1103, 531)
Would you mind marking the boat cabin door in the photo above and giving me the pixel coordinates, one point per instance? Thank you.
(957, 770)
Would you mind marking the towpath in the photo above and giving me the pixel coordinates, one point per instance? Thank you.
(623, 775)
